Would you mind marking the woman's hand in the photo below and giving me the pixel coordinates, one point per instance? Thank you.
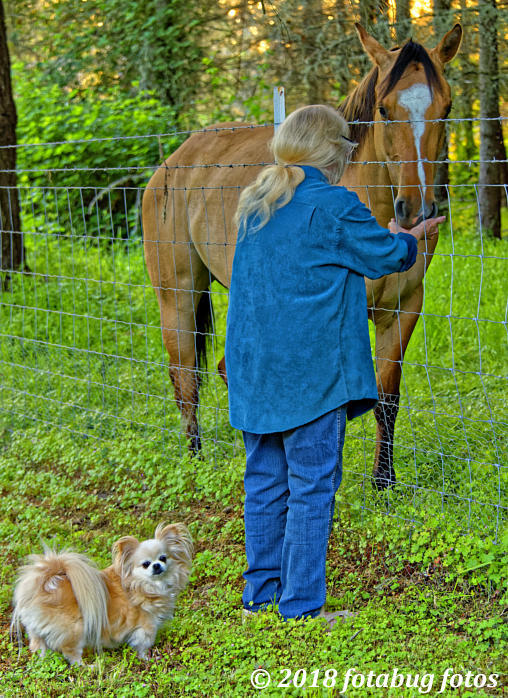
(427, 228)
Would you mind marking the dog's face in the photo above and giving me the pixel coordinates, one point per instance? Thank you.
(161, 561)
(150, 559)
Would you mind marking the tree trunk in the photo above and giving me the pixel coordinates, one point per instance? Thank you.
(489, 200)
(442, 16)
(312, 25)
(503, 165)
(403, 21)
(11, 251)
(468, 83)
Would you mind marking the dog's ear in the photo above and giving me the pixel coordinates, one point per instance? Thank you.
(178, 540)
(122, 550)
(172, 533)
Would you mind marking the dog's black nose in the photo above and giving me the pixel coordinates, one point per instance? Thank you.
(156, 568)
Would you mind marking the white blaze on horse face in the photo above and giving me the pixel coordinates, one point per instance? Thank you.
(417, 99)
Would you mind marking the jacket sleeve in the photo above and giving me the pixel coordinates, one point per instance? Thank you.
(369, 249)
(412, 248)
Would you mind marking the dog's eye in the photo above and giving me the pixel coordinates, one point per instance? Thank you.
(145, 564)
(162, 558)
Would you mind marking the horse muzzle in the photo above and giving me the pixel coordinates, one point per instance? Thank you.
(407, 218)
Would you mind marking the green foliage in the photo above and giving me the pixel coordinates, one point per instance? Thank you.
(251, 101)
(107, 44)
(87, 186)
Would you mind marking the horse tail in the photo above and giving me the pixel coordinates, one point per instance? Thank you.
(204, 327)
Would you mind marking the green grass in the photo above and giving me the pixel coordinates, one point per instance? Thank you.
(92, 450)
(419, 608)
(81, 350)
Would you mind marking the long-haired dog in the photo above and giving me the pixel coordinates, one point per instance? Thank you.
(66, 604)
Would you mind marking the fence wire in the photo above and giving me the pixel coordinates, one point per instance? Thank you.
(81, 346)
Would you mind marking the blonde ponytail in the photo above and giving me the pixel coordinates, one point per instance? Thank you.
(317, 136)
(273, 188)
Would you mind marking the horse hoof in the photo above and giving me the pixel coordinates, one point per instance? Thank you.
(195, 445)
(383, 481)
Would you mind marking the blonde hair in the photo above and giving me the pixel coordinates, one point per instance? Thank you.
(316, 135)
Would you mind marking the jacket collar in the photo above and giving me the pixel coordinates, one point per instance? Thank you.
(313, 173)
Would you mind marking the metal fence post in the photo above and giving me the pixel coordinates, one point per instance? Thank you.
(279, 107)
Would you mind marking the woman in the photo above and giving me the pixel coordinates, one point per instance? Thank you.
(298, 354)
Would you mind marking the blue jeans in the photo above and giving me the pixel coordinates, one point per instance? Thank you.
(291, 479)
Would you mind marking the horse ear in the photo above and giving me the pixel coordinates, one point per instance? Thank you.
(377, 53)
(449, 45)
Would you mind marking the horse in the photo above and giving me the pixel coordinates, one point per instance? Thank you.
(396, 115)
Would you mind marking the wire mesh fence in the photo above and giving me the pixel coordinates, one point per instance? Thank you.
(82, 348)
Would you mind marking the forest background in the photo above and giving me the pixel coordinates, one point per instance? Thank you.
(81, 68)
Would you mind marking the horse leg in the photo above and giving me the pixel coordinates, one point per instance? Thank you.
(179, 277)
(385, 413)
(392, 338)
(221, 368)
(178, 320)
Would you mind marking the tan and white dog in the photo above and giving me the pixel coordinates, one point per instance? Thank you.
(66, 604)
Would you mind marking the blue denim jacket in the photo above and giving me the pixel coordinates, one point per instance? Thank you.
(297, 338)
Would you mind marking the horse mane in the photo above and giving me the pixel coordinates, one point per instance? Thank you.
(360, 105)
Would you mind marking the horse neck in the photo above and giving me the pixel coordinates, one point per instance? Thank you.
(370, 180)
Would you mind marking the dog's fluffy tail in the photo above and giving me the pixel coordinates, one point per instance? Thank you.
(42, 580)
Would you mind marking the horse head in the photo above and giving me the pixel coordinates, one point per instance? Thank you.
(407, 97)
